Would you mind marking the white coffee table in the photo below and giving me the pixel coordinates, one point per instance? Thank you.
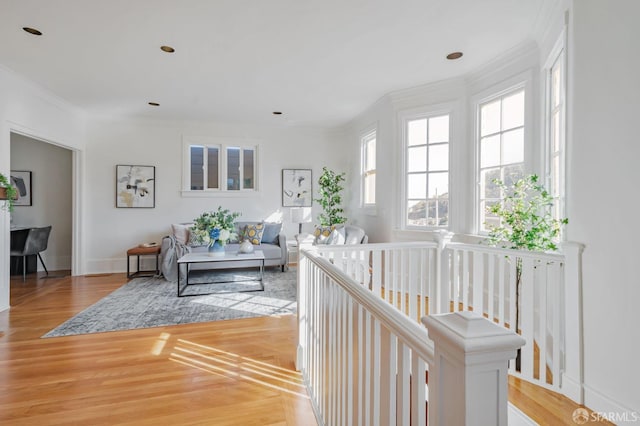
(234, 260)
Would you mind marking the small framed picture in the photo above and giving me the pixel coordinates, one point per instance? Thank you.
(22, 181)
(296, 188)
(135, 186)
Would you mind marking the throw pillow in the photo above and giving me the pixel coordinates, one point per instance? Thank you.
(271, 232)
(322, 233)
(254, 232)
(181, 232)
(337, 236)
(195, 240)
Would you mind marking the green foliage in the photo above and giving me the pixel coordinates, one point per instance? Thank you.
(330, 198)
(214, 226)
(12, 192)
(525, 217)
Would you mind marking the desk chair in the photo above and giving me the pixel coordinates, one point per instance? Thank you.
(36, 242)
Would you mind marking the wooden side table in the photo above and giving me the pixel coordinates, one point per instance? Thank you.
(143, 251)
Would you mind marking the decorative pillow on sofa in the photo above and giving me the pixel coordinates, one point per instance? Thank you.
(181, 231)
(329, 235)
(337, 236)
(321, 233)
(271, 232)
(253, 233)
(195, 240)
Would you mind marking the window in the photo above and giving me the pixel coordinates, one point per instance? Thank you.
(220, 167)
(555, 137)
(426, 141)
(501, 148)
(368, 143)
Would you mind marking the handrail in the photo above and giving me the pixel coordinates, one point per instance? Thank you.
(398, 323)
(376, 246)
(525, 254)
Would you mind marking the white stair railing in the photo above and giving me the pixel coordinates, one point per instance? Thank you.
(483, 279)
(365, 362)
(421, 278)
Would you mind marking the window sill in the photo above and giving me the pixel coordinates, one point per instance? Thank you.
(218, 194)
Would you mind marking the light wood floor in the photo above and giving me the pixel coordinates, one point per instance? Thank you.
(238, 372)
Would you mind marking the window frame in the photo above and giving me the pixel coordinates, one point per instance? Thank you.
(223, 145)
(557, 56)
(523, 81)
(404, 117)
(366, 136)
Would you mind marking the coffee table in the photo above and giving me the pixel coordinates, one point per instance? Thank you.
(233, 260)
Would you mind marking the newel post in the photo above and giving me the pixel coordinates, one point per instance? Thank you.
(573, 377)
(468, 381)
(440, 303)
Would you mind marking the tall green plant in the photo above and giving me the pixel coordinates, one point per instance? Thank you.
(526, 223)
(525, 216)
(330, 199)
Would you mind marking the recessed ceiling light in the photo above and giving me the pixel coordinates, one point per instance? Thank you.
(277, 112)
(167, 49)
(32, 31)
(154, 104)
(454, 55)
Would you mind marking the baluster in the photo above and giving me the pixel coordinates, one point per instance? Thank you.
(491, 287)
(542, 281)
(478, 282)
(465, 280)
(527, 317)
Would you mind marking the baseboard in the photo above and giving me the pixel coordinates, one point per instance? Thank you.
(118, 265)
(572, 389)
(609, 409)
(55, 263)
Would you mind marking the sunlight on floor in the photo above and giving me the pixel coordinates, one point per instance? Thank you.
(253, 303)
(232, 366)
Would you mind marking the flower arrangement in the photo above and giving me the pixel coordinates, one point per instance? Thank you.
(215, 226)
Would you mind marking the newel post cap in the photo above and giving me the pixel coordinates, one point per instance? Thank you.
(471, 333)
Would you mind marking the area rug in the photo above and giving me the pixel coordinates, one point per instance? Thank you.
(153, 302)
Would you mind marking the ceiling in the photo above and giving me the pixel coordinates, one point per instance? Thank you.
(319, 62)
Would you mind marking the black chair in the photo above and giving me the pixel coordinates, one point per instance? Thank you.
(36, 242)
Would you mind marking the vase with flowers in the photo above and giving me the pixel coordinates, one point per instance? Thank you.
(215, 229)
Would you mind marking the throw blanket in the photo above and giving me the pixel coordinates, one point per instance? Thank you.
(175, 250)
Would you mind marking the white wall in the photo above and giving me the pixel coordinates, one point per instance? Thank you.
(110, 231)
(30, 110)
(603, 202)
(51, 195)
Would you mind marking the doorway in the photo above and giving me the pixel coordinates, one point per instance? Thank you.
(50, 171)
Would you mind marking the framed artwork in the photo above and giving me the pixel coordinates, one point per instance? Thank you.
(135, 186)
(296, 188)
(22, 181)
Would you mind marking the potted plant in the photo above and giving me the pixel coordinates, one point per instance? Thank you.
(330, 198)
(8, 192)
(215, 229)
(526, 223)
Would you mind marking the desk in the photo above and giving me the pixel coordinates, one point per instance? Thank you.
(18, 239)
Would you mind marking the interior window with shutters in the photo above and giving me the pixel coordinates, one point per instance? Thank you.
(221, 168)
